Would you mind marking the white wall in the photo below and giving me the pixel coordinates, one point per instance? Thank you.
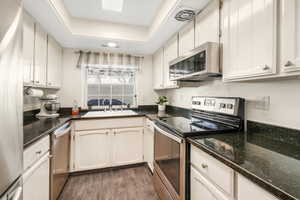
(72, 86)
(284, 108)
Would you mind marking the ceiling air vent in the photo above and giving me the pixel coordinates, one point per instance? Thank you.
(185, 15)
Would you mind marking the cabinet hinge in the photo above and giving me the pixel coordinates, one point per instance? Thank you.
(74, 137)
(73, 165)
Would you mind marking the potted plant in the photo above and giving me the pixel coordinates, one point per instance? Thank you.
(161, 102)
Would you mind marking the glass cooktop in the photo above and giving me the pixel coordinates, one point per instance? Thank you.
(188, 127)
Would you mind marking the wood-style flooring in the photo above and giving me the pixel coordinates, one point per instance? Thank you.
(116, 184)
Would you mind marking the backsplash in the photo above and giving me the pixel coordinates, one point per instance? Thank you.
(271, 101)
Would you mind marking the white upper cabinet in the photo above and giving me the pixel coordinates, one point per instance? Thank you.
(249, 38)
(28, 49)
(170, 53)
(158, 69)
(40, 56)
(186, 39)
(207, 28)
(54, 65)
(290, 36)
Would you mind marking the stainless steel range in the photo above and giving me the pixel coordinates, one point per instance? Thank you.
(209, 115)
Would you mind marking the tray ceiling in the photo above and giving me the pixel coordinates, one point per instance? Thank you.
(134, 12)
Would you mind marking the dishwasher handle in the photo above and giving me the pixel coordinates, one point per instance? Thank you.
(17, 194)
(66, 128)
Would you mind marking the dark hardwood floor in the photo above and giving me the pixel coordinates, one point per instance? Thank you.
(116, 184)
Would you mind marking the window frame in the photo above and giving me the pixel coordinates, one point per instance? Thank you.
(100, 107)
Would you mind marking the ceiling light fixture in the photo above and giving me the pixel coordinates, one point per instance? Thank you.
(111, 45)
(113, 5)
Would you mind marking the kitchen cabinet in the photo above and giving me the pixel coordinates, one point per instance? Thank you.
(101, 143)
(54, 63)
(249, 38)
(201, 188)
(92, 149)
(37, 182)
(207, 24)
(158, 69)
(149, 144)
(186, 39)
(40, 56)
(290, 36)
(246, 187)
(170, 53)
(127, 146)
(28, 49)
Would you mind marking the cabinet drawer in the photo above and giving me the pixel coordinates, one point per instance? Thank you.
(214, 170)
(108, 123)
(35, 152)
(149, 125)
(246, 187)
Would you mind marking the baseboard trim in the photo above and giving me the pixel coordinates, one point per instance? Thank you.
(92, 171)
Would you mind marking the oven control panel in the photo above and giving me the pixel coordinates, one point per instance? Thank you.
(222, 105)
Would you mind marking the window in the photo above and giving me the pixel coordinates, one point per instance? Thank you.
(110, 86)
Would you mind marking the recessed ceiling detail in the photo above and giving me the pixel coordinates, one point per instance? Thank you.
(140, 28)
(134, 12)
(113, 5)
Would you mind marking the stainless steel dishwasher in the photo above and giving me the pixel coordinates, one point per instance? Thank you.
(60, 151)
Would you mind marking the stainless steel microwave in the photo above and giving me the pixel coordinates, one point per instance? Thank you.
(199, 64)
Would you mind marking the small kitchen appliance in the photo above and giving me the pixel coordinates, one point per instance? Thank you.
(49, 106)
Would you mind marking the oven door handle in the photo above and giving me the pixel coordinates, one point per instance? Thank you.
(169, 135)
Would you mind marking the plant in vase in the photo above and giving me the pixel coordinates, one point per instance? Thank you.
(161, 102)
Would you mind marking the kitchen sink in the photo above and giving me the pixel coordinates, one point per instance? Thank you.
(117, 113)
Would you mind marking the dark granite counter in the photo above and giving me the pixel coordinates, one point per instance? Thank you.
(267, 155)
(34, 128)
(38, 128)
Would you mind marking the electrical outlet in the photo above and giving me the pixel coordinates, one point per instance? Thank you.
(262, 103)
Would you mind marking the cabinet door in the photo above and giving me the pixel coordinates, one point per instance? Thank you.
(149, 147)
(54, 63)
(208, 20)
(186, 39)
(40, 56)
(290, 36)
(158, 69)
(170, 53)
(92, 149)
(36, 183)
(28, 49)
(246, 187)
(201, 188)
(127, 146)
(249, 38)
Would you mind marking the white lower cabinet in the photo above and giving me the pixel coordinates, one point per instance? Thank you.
(36, 180)
(149, 144)
(127, 146)
(92, 149)
(248, 190)
(201, 188)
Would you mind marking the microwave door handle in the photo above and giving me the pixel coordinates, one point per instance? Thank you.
(169, 135)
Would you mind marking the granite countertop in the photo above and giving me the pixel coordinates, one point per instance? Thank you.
(267, 155)
(34, 128)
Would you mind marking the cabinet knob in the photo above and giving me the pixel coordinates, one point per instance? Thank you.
(266, 67)
(289, 64)
(204, 166)
(49, 83)
(38, 152)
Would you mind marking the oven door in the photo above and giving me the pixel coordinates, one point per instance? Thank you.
(169, 160)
